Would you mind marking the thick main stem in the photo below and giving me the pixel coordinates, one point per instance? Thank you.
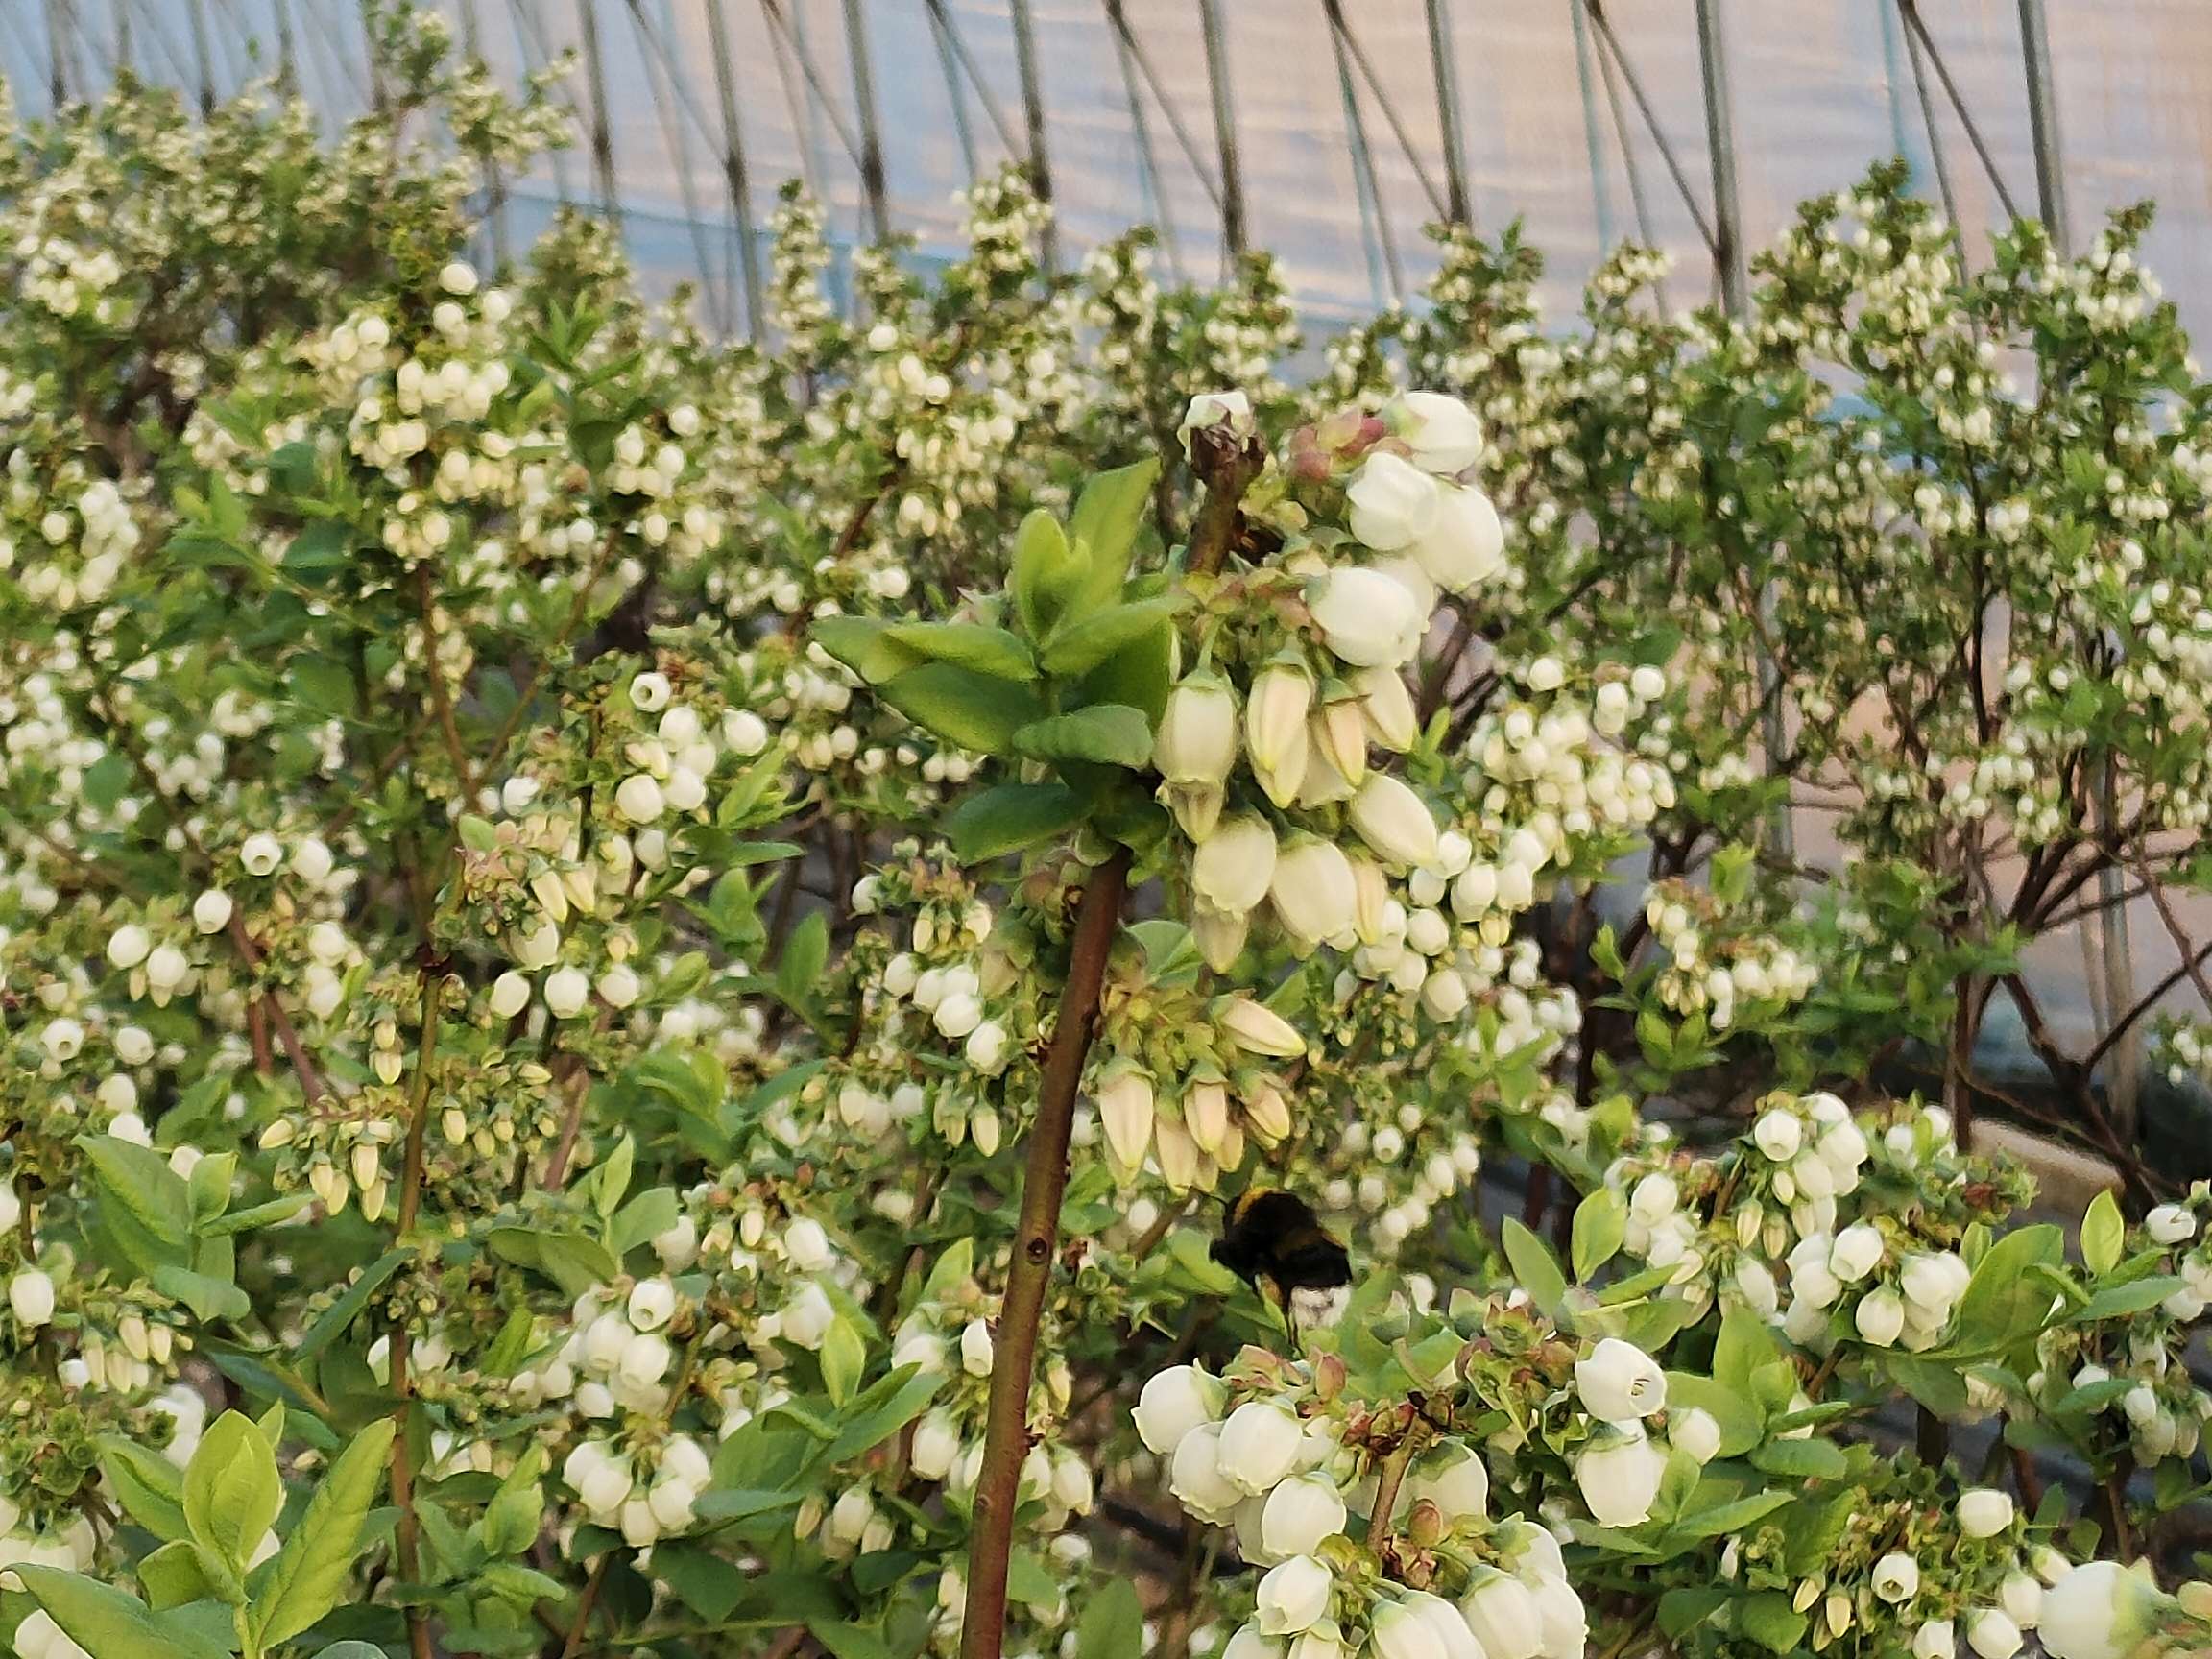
(1035, 1239)
(407, 1535)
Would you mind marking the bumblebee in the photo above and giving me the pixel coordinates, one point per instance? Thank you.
(1273, 1239)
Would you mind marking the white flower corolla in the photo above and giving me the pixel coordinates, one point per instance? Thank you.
(652, 1304)
(1394, 821)
(211, 912)
(677, 1245)
(638, 798)
(2171, 1224)
(1194, 1476)
(128, 945)
(1313, 892)
(1984, 1511)
(807, 1316)
(619, 986)
(261, 853)
(936, 1444)
(1415, 1625)
(1897, 1577)
(1260, 1444)
(166, 969)
(957, 1015)
(2100, 1610)
(509, 995)
(1464, 546)
(1619, 1383)
(1231, 869)
(1936, 1639)
(1246, 1642)
(38, 1636)
(1256, 1028)
(649, 692)
(673, 1503)
(807, 1245)
(1196, 740)
(2021, 1595)
(1778, 1134)
(1856, 1252)
(1754, 1282)
(975, 1348)
(537, 947)
(1293, 1594)
(1619, 1472)
(1367, 618)
(567, 991)
(1275, 741)
(1174, 1402)
(1695, 1432)
(1654, 1199)
(30, 1297)
(1453, 1478)
(1503, 1614)
(1933, 1281)
(1231, 408)
(1298, 1514)
(1386, 706)
(1441, 433)
(312, 861)
(1992, 1635)
(1880, 1318)
(1392, 502)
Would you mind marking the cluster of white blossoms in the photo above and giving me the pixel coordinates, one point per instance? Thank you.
(1619, 1468)
(1891, 1295)
(1188, 1084)
(65, 534)
(1713, 965)
(1277, 1453)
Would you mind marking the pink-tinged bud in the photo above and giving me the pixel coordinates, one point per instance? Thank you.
(1339, 732)
(1267, 1114)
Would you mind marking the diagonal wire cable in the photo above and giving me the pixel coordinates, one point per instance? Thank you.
(1183, 140)
(1915, 24)
(671, 101)
(773, 11)
(1609, 42)
(1334, 9)
(955, 44)
(1148, 160)
(1374, 218)
(537, 54)
(1935, 157)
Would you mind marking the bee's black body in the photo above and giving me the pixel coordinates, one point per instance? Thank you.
(1274, 1237)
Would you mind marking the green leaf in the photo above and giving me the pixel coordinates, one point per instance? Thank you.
(312, 1571)
(864, 645)
(1743, 1348)
(1742, 1426)
(1000, 654)
(1138, 674)
(1682, 1610)
(844, 1357)
(268, 1214)
(2004, 1305)
(1808, 1459)
(799, 969)
(885, 1408)
(1769, 1620)
(1601, 1226)
(966, 708)
(1030, 1581)
(331, 1323)
(1008, 817)
(1535, 1269)
(2118, 1301)
(2103, 1233)
(1082, 647)
(847, 1641)
(569, 1259)
(150, 1487)
(646, 1216)
(1112, 1622)
(1111, 733)
(207, 1296)
(1048, 573)
(174, 1575)
(141, 1180)
(107, 1624)
(1108, 516)
(232, 1490)
(1731, 1517)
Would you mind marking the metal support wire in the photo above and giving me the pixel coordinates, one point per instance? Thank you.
(1914, 23)
(1374, 219)
(871, 154)
(1601, 189)
(2043, 123)
(1033, 117)
(734, 169)
(602, 129)
(956, 95)
(1133, 48)
(535, 55)
(57, 51)
(1224, 126)
(1638, 204)
(1935, 157)
(1148, 181)
(671, 102)
(1611, 43)
(495, 177)
(1459, 200)
(1349, 42)
(288, 48)
(780, 29)
(1721, 144)
(203, 63)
